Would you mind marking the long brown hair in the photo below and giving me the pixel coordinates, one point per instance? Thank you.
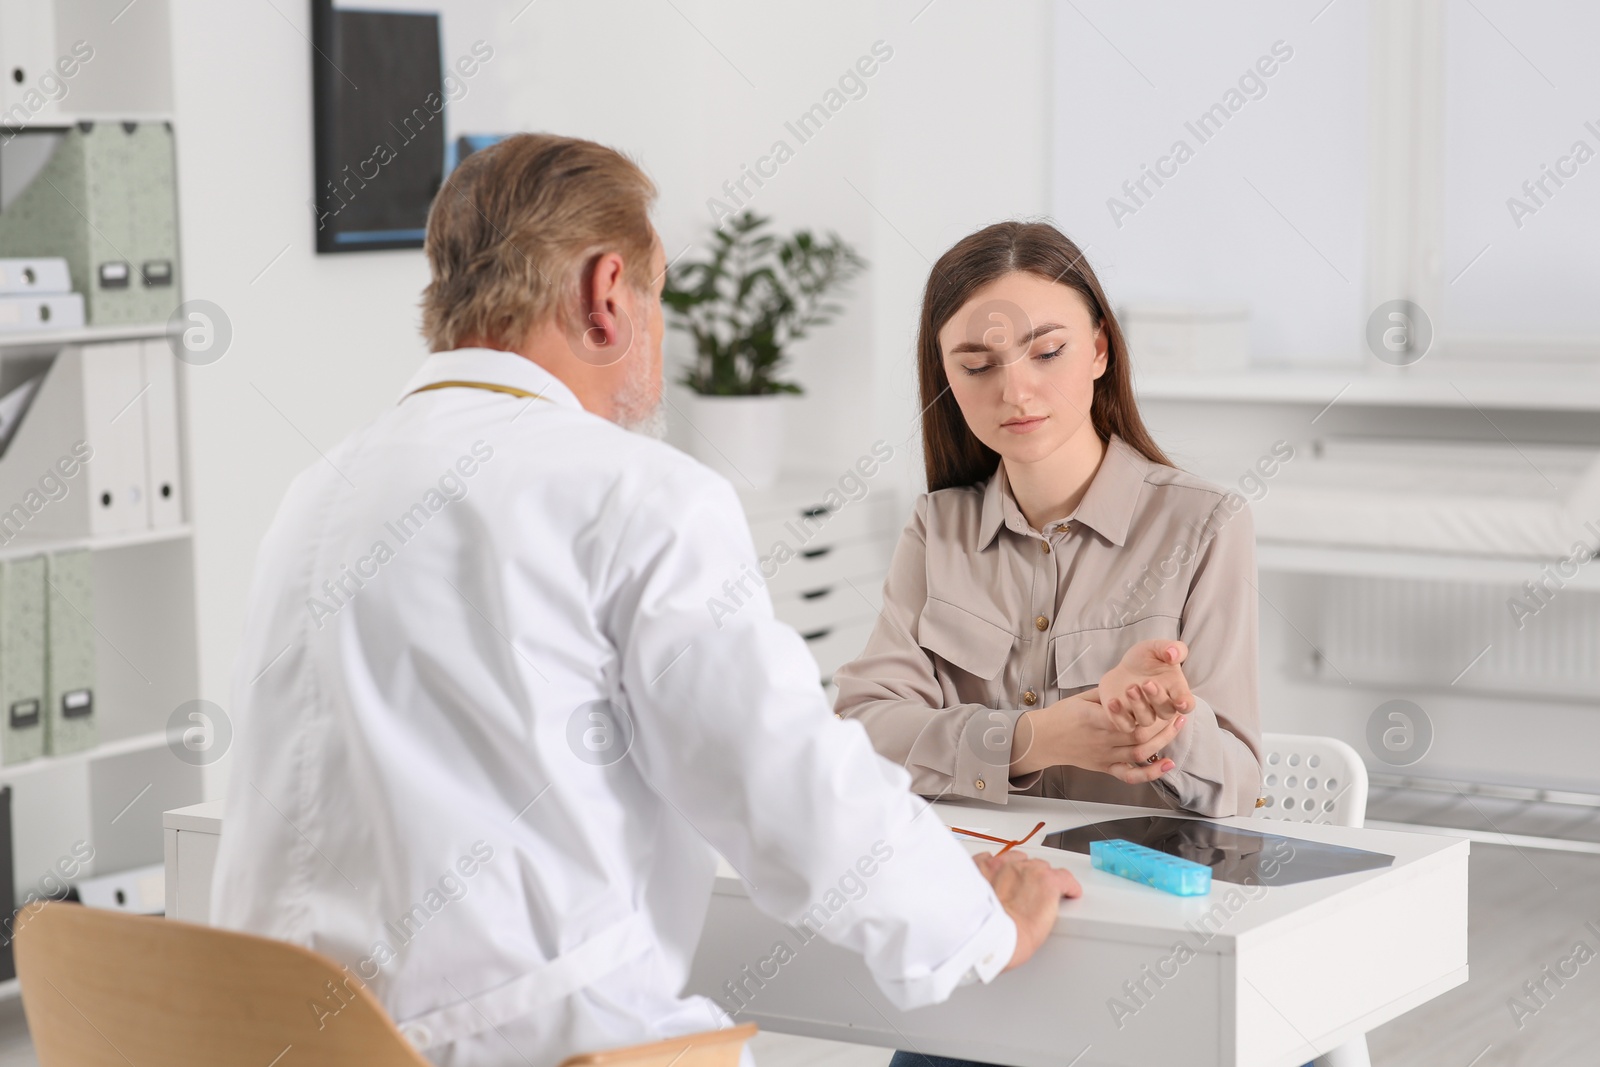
(951, 452)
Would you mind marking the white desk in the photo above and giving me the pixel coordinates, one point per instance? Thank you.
(1278, 975)
(191, 836)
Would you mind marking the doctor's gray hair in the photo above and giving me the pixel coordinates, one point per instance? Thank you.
(514, 228)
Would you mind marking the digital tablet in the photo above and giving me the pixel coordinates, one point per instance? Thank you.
(1247, 857)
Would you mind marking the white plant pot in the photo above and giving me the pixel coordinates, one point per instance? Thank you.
(739, 437)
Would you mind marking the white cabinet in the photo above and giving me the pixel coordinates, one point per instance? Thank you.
(191, 837)
(824, 549)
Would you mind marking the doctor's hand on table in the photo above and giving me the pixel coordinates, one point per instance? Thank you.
(1030, 890)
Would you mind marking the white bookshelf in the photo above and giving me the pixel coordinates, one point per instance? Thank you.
(84, 335)
(46, 765)
(22, 547)
(147, 665)
(1221, 425)
(145, 611)
(1543, 387)
(1400, 564)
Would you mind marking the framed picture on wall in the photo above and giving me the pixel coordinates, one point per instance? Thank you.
(378, 102)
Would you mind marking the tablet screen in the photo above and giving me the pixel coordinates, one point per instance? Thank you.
(1248, 857)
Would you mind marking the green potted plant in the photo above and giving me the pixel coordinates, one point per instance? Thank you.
(744, 305)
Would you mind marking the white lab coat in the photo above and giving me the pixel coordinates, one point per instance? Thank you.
(430, 783)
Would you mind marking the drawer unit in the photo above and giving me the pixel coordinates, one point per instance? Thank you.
(835, 646)
(809, 526)
(824, 566)
(848, 598)
(829, 583)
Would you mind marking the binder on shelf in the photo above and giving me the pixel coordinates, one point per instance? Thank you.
(75, 466)
(160, 396)
(22, 628)
(12, 407)
(140, 891)
(47, 274)
(27, 57)
(104, 198)
(40, 311)
(70, 721)
(8, 887)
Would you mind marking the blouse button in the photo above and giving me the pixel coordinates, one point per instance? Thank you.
(979, 783)
(1030, 698)
(1041, 623)
(1046, 546)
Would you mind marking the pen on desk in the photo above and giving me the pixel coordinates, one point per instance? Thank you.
(1009, 844)
(1023, 841)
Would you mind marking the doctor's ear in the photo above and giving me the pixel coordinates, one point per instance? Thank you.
(607, 328)
(602, 294)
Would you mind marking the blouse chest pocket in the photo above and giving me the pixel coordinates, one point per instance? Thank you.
(1080, 659)
(962, 639)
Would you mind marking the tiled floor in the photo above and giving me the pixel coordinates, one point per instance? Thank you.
(1528, 910)
(15, 1048)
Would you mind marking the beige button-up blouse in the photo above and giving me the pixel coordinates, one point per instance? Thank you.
(985, 618)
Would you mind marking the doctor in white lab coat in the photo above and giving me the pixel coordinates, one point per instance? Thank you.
(492, 732)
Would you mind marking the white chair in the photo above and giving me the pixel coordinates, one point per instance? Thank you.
(1305, 778)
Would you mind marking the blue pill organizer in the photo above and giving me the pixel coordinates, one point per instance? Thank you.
(1137, 863)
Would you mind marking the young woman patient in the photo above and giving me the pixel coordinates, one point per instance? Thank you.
(1067, 614)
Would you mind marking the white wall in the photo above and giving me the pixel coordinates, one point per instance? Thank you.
(319, 343)
(1269, 211)
(962, 141)
(951, 134)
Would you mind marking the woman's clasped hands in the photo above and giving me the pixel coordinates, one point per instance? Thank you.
(1119, 727)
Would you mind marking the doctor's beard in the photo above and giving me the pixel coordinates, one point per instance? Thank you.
(637, 403)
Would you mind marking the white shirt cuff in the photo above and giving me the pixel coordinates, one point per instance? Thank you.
(984, 955)
(990, 950)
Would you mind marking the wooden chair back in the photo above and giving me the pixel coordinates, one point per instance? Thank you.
(713, 1048)
(105, 989)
